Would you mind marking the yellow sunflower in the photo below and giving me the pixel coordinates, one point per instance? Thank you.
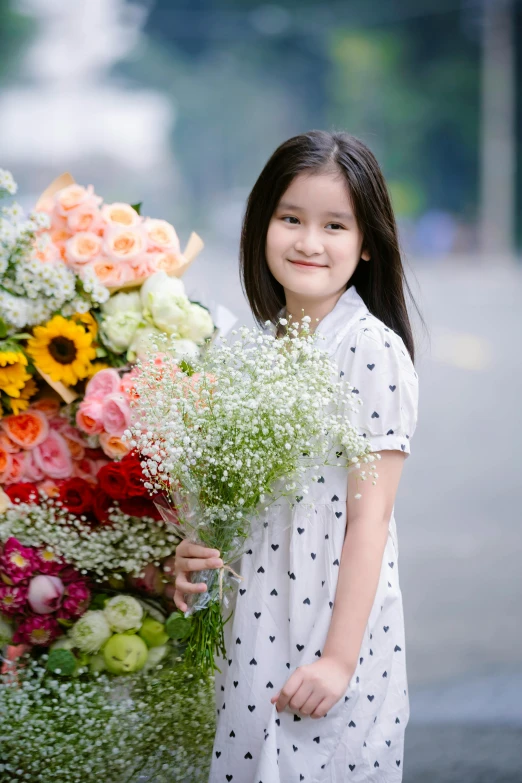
(13, 375)
(62, 349)
(22, 403)
(88, 322)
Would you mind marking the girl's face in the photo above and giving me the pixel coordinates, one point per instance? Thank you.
(313, 244)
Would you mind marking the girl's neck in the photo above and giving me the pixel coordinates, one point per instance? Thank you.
(298, 306)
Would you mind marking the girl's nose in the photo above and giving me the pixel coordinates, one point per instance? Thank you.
(309, 244)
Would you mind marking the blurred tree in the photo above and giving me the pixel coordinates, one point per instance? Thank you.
(15, 30)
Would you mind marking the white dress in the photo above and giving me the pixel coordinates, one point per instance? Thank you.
(284, 603)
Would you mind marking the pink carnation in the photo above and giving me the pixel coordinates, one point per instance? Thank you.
(48, 562)
(12, 598)
(39, 630)
(17, 562)
(116, 414)
(75, 602)
(104, 382)
(53, 456)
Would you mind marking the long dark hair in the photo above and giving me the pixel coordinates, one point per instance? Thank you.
(379, 282)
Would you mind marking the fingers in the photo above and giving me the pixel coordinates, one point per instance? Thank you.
(197, 563)
(287, 692)
(187, 549)
(185, 586)
(179, 601)
(322, 708)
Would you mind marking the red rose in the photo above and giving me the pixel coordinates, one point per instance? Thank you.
(139, 507)
(102, 503)
(131, 467)
(77, 496)
(22, 492)
(111, 479)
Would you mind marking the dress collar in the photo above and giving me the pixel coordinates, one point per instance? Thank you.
(335, 324)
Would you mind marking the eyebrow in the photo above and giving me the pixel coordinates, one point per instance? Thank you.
(295, 208)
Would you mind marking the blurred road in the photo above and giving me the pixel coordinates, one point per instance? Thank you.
(458, 515)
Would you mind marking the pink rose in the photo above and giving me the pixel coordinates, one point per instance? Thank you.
(17, 468)
(73, 196)
(113, 446)
(104, 382)
(32, 472)
(120, 215)
(12, 598)
(75, 601)
(39, 630)
(53, 456)
(86, 217)
(143, 266)
(125, 244)
(82, 248)
(6, 464)
(112, 273)
(116, 414)
(89, 415)
(45, 594)
(162, 235)
(17, 562)
(50, 487)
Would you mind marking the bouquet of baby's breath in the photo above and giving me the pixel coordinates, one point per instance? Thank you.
(250, 422)
(93, 728)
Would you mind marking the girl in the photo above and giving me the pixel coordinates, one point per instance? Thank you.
(314, 686)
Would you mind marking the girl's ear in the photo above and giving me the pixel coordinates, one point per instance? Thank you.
(365, 255)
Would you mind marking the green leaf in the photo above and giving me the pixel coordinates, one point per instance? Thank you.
(3, 328)
(178, 626)
(137, 207)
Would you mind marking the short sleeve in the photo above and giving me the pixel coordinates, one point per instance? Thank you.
(374, 360)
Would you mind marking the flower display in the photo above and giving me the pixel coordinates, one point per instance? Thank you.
(83, 598)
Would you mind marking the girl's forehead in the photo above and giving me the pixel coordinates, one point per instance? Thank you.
(321, 191)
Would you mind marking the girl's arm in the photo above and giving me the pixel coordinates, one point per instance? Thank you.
(313, 689)
(365, 539)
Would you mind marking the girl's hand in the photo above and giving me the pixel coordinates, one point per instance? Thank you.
(189, 557)
(315, 688)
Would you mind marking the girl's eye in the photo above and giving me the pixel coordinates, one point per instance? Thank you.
(291, 218)
(335, 226)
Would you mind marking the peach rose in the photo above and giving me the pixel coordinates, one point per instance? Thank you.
(47, 405)
(105, 382)
(74, 441)
(162, 235)
(8, 445)
(120, 214)
(47, 253)
(53, 456)
(116, 414)
(27, 429)
(86, 218)
(17, 468)
(83, 248)
(50, 487)
(112, 273)
(70, 198)
(125, 244)
(170, 262)
(89, 416)
(113, 446)
(6, 464)
(86, 469)
(143, 266)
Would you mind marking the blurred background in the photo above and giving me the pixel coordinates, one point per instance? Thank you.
(179, 103)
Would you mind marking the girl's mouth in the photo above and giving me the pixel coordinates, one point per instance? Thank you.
(304, 264)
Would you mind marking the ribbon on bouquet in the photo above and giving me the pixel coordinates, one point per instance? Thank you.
(221, 574)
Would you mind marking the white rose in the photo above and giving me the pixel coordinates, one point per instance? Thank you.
(183, 349)
(165, 302)
(198, 324)
(142, 343)
(5, 501)
(123, 613)
(118, 330)
(123, 303)
(160, 282)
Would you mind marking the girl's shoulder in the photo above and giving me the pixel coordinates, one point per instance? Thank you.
(367, 337)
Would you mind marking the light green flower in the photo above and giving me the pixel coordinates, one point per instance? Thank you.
(91, 631)
(118, 330)
(198, 324)
(123, 613)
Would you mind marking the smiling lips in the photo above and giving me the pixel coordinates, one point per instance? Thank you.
(306, 263)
